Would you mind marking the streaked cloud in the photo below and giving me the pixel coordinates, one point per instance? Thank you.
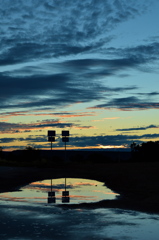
(113, 141)
(128, 104)
(76, 66)
(137, 128)
(37, 126)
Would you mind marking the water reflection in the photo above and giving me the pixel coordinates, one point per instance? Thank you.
(62, 190)
(23, 219)
(51, 195)
(65, 195)
(82, 190)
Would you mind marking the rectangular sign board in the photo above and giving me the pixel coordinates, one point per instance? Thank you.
(65, 133)
(65, 139)
(52, 133)
(51, 139)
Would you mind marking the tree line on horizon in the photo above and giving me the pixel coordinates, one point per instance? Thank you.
(146, 151)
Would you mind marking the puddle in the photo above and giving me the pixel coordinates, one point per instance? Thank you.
(62, 190)
(26, 214)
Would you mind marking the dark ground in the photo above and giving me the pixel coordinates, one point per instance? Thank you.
(138, 183)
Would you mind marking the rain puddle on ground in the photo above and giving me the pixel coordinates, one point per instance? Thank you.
(63, 190)
(26, 214)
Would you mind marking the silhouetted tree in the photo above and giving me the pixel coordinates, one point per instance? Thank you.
(29, 148)
(147, 151)
(31, 153)
(133, 146)
(1, 151)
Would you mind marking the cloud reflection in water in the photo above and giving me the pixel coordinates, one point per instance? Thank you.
(80, 190)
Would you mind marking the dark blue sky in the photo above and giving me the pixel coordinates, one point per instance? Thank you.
(88, 66)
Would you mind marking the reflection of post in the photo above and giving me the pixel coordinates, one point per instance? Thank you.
(65, 195)
(51, 195)
(65, 184)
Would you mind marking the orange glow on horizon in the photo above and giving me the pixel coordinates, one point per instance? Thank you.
(112, 146)
(69, 148)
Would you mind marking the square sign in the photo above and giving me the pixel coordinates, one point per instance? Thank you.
(65, 139)
(51, 139)
(51, 133)
(65, 133)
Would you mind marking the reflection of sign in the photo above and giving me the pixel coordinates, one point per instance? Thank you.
(51, 139)
(65, 196)
(52, 133)
(51, 199)
(65, 193)
(65, 199)
(51, 194)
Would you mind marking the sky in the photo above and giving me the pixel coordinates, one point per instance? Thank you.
(89, 67)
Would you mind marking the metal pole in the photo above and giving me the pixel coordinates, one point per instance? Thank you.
(65, 162)
(65, 184)
(65, 151)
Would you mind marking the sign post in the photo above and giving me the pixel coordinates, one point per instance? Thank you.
(65, 139)
(51, 137)
(65, 194)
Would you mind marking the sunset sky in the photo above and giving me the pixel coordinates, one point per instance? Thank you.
(90, 67)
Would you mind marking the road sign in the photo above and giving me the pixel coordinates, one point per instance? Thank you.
(51, 139)
(65, 133)
(65, 139)
(51, 133)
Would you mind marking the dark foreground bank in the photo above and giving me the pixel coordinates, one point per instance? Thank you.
(137, 183)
